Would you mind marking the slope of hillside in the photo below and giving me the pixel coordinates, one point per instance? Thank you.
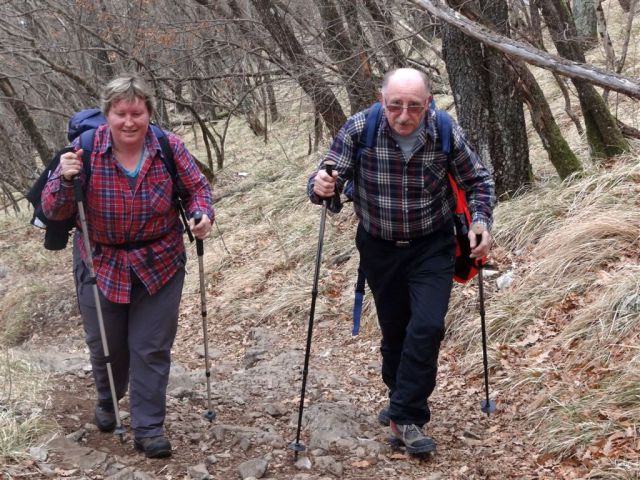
(562, 341)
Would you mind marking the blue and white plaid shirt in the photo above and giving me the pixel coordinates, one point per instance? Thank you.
(399, 199)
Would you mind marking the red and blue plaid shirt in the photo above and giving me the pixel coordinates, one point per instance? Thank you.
(136, 230)
(399, 199)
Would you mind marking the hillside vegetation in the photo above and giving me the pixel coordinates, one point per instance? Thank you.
(563, 335)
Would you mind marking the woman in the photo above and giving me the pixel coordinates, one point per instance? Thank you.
(138, 254)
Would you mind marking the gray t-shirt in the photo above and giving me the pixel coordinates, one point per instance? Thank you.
(407, 142)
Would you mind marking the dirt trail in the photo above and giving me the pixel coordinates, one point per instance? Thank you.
(256, 373)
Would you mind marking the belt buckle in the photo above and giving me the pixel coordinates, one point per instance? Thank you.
(402, 243)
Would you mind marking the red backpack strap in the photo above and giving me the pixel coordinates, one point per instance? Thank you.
(461, 200)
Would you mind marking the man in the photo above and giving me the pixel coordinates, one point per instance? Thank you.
(404, 203)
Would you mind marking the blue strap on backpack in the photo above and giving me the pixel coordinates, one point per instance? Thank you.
(367, 140)
(368, 136)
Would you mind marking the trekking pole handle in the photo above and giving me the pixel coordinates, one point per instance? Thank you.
(77, 188)
(197, 216)
(477, 229)
(329, 165)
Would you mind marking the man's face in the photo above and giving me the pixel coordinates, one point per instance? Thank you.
(405, 102)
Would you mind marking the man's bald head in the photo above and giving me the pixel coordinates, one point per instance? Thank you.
(405, 75)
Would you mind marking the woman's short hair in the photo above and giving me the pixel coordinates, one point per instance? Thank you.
(126, 87)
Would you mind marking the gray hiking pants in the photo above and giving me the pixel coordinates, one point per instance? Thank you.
(140, 335)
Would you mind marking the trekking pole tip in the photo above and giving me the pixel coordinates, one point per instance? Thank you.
(489, 407)
(209, 415)
(297, 447)
(119, 431)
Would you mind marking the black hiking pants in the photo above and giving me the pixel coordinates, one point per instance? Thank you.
(411, 285)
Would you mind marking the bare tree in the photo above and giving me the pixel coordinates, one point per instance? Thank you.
(584, 12)
(383, 20)
(531, 55)
(25, 118)
(603, 133)
(338, 46)
(488, 104)
(302, 69)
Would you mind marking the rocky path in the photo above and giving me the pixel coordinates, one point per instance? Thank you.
(256, 379)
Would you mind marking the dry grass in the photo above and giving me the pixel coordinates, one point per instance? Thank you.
(27, 300)
(567, 328)
(22, 399)
(572, 317)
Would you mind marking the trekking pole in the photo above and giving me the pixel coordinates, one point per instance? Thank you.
(298, 446)
(209, 414)
(487, 406)
(79, 196)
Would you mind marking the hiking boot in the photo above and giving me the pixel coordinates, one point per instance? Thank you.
(153, 447)
(412, 438)
(105, 417)
(383, 417)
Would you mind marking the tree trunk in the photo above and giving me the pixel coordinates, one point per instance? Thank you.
(605, 39)
(603, 134)
(302, 69)
(488, 108)
(272, 105)
(532, 55)
(26, 120)
(369, 57)
(18, 170)
(384, 22)
(560, 154)
(627, 36)
(625, 4)
(338, 46)
(584, 12)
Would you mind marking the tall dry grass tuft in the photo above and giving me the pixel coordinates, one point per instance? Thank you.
(22, 400)
(26, 300)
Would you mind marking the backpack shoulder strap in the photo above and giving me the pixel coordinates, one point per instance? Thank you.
(444, 125)
(370, 131)
(170, 164)
(373, 122)
(167, 152)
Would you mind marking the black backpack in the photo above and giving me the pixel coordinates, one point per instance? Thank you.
(84, 124)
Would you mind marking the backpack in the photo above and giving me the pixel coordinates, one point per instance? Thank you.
(465, 267)
(83, 124)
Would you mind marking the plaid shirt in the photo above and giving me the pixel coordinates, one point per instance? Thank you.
(146, 219)
(399, 199)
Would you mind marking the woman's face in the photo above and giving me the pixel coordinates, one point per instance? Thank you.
(128, 121)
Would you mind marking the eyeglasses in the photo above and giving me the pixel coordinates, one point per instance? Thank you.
(395, 108)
